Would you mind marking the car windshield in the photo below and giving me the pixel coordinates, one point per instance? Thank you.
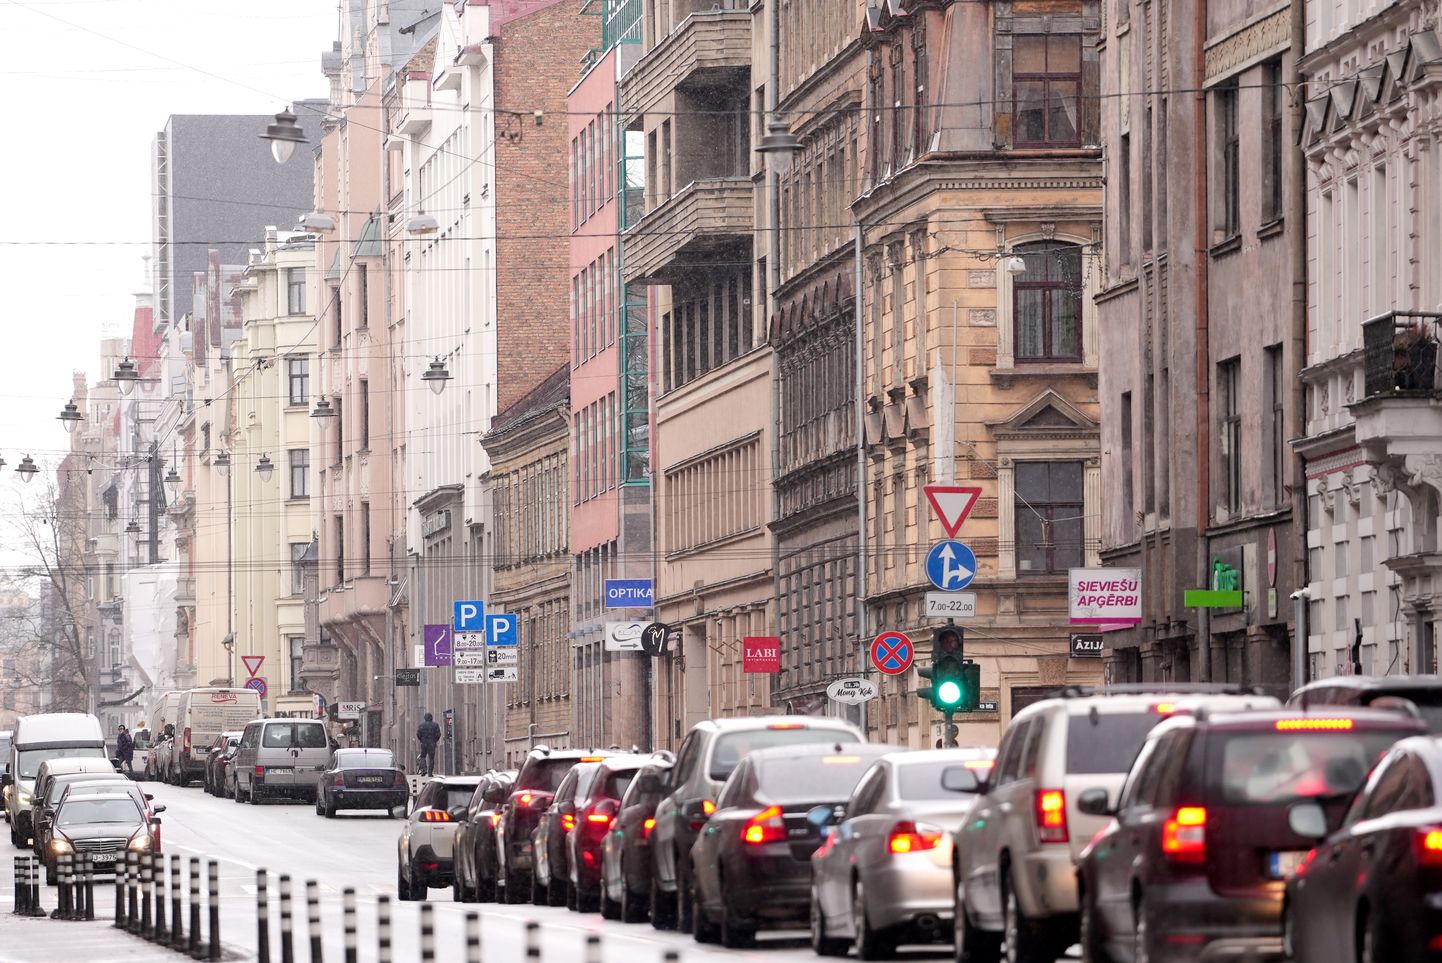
(1106, 742)
(734, 746)
(1276, 768)
(59, 784)
(31, 759)
(544, 774)
(934, 781)
(370, 759)
(87, 811)
(291, 735)
(813, 779)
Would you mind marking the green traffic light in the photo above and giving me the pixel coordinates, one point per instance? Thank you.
(948, 693)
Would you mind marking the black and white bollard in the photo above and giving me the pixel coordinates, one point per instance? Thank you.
(177, 920)
(147, 894)
(383, 929)
(161, 933)
(22, 885)
(287, 923)
(428, 933)
(262, 915)
(89, 871)
(212, 880)
(671, 956)
(533, 940)
(473, 937)
(132, 893)
(194, 947)
(63, 910)
(312, 915)
(593, 948)
(120, 919)
(347, 910)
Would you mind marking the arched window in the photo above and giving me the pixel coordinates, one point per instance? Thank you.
(1047, 304)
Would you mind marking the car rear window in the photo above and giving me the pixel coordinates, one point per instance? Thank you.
(1106, 742)
(370, 759)
(617, 783)
(1281, 767)
(288, 735)
(732, 747)
(814, 779)
(544, 774)
(459, 796)
(924, 783)
(1427, 701)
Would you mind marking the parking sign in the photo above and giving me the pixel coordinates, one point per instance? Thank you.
(501, 629)
(468, 615)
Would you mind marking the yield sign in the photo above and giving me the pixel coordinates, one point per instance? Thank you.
(892, 652)
(952, 503)
(252, 663)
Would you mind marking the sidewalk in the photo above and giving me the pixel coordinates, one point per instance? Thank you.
(33, 940)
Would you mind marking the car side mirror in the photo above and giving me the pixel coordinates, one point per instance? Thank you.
(149, 796)
(1307, 819)
(1095, 802)
(159, 809)
(823, 817)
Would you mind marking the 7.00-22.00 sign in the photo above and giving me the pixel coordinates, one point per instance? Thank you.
(950, 605)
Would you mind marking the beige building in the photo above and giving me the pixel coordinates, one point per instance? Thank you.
(271, 464)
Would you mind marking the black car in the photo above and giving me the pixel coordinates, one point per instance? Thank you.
(551, 884)
(596, 810)
(1372, 891)
(475, 849)
(626, 851)
(1423, 692)
(534, 788)
(751, 865)
(361, 779)
(215, 760)
(1193, 861)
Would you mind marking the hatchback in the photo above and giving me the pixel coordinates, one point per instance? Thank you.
(104, 826)
(626, 851)
(595, 812)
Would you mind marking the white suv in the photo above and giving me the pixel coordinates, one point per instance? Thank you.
(425, 848)
(1013, 859)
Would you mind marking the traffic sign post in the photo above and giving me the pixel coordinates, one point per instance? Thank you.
(892, 653)
(950, 566)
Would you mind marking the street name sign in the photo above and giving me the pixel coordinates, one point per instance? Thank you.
(851, 692)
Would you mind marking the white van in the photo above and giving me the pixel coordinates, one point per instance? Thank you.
(205, 714)
(161, 717)
(52, 735)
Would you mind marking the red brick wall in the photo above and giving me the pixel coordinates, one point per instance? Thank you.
(538, 59)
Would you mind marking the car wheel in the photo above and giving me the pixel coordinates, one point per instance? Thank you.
(540, 895)
(870, 945)
(735, 935)
(1289, 933)
(329, 810)
(684, 906)
(610, 909)
(822, 944)
(485, 888)
(971, 944)
(235, 792)
(573, 895)
(14, 837)
(633, 907)
(588, 900)
(555, 892)
(1369, 938)
(701, 926)
(253, 796)
(1092, 950)
(1022, 942)
(403, 888)
(663, 907)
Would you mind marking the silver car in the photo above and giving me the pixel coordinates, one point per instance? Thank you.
(883, 876)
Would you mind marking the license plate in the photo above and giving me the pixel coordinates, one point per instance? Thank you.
(370, 780)
(1283, 865)
(104, 857)
(279, 770)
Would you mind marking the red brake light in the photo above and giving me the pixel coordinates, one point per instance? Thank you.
(1164, 708)
(592, 758)
(909, 837)
(765, 827)
(646, 828)
(568, 822)
(1429, 846)
(338, 779)
(494, 817)
(1297, 725)
(787, 725)
(598, 818)
(259, 771)
(707, 806)
(1051, 816)
(435, 816)
(1184, 835)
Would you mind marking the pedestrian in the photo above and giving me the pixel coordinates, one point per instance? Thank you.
(125, 750)
(428, 734)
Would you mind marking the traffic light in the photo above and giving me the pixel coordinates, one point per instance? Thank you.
(955, 683)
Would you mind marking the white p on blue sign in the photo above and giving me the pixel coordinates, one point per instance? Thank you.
(629, 593)
(501, 629)
(469, 616)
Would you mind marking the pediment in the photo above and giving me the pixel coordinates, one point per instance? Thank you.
(1049, 414)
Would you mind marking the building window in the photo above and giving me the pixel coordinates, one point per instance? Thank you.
(365, 537)
(1049, 517)
(363, 398)
(295, 647)
(299, 472)
(1229, 386)
(337, 404)
(898, 105)
(919, 66)
(1047, 302)
(1273, 150)
(117, 661)
(1127, 451)
(298, 380)
(295, 291)
(338, 316)
(339, 549)
(298, 552)
(1124, 199)
(363, 296)
(1046, 89)
(1276, 389)
(1229, 209)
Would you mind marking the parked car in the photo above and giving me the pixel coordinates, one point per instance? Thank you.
(752, 859)
(204, 714)
(104, 826)
(1372, 889)
(280, 757)
(55, 777)
(596, 810)
(1198, 842)
(424, 850)
(709, 754)
(1015, 851)
(36, 738)
(477, 865)
(626, 851)
(93, 784)
(217, 759)
(535, 785)
(883, 876)
(361, 779)
(551, 881)
(1423, 692)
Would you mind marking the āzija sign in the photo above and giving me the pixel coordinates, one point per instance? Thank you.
(1097, 595)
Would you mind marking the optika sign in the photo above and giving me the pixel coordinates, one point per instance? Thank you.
(1097, 595)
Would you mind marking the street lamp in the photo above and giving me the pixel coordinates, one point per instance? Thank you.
(283, 135)
(172, 480)
(1015, 265)
(125, 376)
(322, 409)
(264, 468)
(27, 468)
(70, 417)
(422, 224)
(436, 376)
(317, 221)
(222, 463)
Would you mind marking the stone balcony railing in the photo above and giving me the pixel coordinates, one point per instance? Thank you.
(710, 42)
(703, 217)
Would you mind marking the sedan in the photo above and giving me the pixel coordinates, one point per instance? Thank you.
(476, 864)
(595, 812)
(1372, 891)
(361, 779)
(752, 862)
(883, 877)
(551, 884)
(104, 826)
(626, 851)
(217, 759)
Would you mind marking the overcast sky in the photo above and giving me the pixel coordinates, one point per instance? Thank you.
(89, 83)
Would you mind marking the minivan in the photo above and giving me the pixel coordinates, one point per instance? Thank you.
(281, 757)
(203, 716)
(50, 735)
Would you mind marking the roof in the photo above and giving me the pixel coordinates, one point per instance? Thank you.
(550, 394)
(369, 244)
(1383, 683)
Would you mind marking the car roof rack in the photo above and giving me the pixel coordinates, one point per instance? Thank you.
(1079, 691)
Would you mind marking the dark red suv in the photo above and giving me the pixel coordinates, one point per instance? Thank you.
(1193, 863)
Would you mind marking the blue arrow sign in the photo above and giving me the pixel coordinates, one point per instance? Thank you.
(950, 565)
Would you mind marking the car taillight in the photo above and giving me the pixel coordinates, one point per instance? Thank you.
(1429, 846)
(435, 816)
(494, 817)
(646, 828)
(764, 827)
(599, 819)
(398, 780)
(568, 822)
(787, 725)
(909, 837)
(338, 779)
(259, 772)
(1164, 708)
(708, 807)
(1184, 836)
(601, 813)
(1051, 816)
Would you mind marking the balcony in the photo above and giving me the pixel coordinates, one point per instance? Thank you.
(682, 233)
(363, 596)
(1400, 413)
(708, 48)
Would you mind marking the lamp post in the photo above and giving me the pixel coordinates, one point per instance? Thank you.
(436, 376)
(283, 135)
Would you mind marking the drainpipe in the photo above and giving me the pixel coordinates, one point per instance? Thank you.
(1202, 220)
(861, 520)
(1294, 176)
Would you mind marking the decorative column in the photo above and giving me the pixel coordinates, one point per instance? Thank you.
(1092, 512)
(1006, 519)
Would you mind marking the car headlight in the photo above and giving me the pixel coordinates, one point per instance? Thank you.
(140, 842)
(23, 799)
(60, 846)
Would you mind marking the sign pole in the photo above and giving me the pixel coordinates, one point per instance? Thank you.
(948, 730)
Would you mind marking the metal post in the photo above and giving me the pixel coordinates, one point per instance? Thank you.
(1299, 637)
(194, 947)
(948, 730)
(21, 888)
(428, 933)
(533, 940)
(347, 908)
(473, 937)
(36, 865)
(262, 915)
(177, 924)
(383, 929)
(89, 887)
(120, 920)
(132, 893)
(157, 874)
(593, 948)
(312, 912)
(212, 872)
(671, 956)
(147, 896)
(287, 935)
(63, 908)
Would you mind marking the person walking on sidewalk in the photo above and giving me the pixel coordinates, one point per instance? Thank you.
(125, 751)
(428, 734)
